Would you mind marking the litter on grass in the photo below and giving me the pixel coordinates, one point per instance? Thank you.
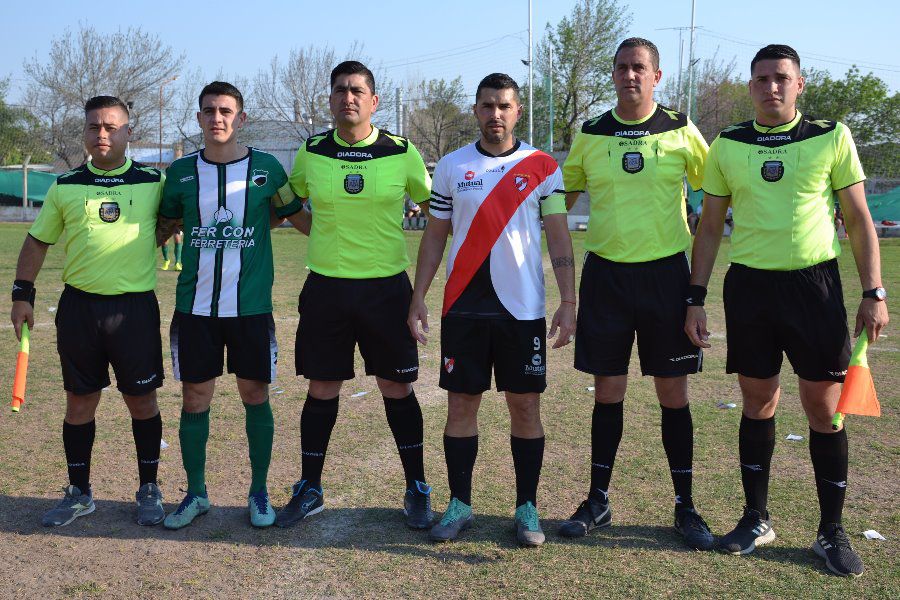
(726, 405)
(871, 534)
(358, 394)
(794, 438)
(590, 388)
(163, 444)
(51, 309)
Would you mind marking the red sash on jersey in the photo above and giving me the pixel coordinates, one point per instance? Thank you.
(492, 218)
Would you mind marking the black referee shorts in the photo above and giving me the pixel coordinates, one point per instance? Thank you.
(94, 331)
(800, 313)
(617, 300)
(338, 313)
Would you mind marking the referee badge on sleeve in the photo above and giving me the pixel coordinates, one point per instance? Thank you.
(772, 170)
(109, 212)
(632, 162)
(354, 183)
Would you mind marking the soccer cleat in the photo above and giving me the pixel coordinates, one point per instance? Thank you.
(457, 517)
(150, 507)
(305, 501)
(73, 505)
(693, 529)
(417, 506)
(190, 508)
(528, 526)
(178, 266)
(261, 512)
(833, 545)
(751, 531)
(590, 514)
(165, 265)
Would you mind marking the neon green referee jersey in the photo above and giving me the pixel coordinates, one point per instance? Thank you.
(782, 182)
(356, 193)
(634, 173)
(109, 218)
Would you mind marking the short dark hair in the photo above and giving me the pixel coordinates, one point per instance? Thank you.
(775, 52)
(638, 42)
(222, 88)
(497, 81)
(104, 102)
(353, 67)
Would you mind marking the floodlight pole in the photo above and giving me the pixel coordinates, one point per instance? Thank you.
(550, 90)
(530, 82)
(691, 61)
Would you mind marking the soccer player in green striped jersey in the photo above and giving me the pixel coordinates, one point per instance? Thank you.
(224, 197)
(780, 173)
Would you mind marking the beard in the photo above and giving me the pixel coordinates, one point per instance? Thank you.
(493, 136)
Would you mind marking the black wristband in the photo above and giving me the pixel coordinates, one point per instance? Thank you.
(23, 291)
(696, 295)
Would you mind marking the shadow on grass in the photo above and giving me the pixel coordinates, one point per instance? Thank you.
(363, 529)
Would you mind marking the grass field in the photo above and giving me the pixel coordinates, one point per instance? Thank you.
(359, 546)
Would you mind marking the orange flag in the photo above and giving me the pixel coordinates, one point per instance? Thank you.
(858, 392)
(18, 393)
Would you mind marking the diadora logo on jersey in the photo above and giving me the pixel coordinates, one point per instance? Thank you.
(499, 169)
(521, 182)
(448, 364)
(109, 212)
(108, 180)
(685, 357)
(223, 215)
(633, 162)
(186, 179)
(772, 170)
(470, 175)
(773, 138)
(631, 133)
(354, 183)
(259, 177)
(354, 154)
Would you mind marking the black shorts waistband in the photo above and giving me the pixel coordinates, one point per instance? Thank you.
(828, 266)
(319, 276)
(674, 258)
(74, 290)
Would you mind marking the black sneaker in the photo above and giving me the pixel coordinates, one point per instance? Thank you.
(417, 506)
(590, 514)
(752, 530)
(833, 545)
(305, 502)
(693, 529)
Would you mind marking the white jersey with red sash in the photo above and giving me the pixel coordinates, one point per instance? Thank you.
(495, 204)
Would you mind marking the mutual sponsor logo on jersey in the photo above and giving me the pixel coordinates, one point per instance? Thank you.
(772, 170)
(354, 183)
(259, 177)
(470, 175)
(470, 184)
(630, 133)
(773, 138)
(109, 212)
(108, 180)
(536, 360)
(354, 154)
(632, 162)
(500, 169)
(186, 179)
(223, 215)
(520, 181)
(537, 366)
(448, 364)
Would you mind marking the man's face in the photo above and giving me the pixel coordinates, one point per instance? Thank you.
(634, 75)
(774, 87)
(352, 101)
(220, 119)
(106, 134)
(497, 112)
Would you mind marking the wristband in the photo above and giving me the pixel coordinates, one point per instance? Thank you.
(23, 291)
(696, 295)
(568, 301)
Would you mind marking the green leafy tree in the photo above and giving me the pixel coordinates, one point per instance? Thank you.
(19, 133)
(440, 119)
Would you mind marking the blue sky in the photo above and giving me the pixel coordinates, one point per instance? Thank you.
(469, 38)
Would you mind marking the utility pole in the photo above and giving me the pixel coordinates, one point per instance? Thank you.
(399, 111)
(680, 67)
(530, 82)
(690, 97)
(550, 90)
(161, 86)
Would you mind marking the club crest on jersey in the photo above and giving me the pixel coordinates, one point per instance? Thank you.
(259, 177)
(632, 162)
(109, 212)
(448, 364)
(223, 215)
(354, 183)
(772, 170)
(521, 182)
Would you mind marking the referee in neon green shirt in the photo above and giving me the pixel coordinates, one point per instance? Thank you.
(782, 293)
(356, 178)
(108, 313)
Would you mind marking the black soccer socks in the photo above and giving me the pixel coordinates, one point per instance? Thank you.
(528, 455)
(147, 437)
(678, 441)
(606, 433)
(460, 454)
(829, 458)
(316, 422)
(404, 416)
(78, 441)
(756, 442)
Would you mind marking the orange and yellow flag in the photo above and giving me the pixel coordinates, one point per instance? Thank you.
(858, 395)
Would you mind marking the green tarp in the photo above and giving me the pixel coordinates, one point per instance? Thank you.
(38, 184)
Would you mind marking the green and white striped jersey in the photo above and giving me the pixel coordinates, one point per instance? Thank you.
(227, 257)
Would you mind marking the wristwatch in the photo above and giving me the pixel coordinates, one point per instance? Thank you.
(878, 293)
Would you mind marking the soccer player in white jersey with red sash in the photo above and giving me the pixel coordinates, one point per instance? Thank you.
(494, 194)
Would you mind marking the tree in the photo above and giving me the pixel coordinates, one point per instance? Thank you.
(440, 119)
(129, 64)
(584, 44)
(19, 133)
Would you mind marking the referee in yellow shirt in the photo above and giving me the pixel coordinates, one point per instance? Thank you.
(780, 173)
(108, 313)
